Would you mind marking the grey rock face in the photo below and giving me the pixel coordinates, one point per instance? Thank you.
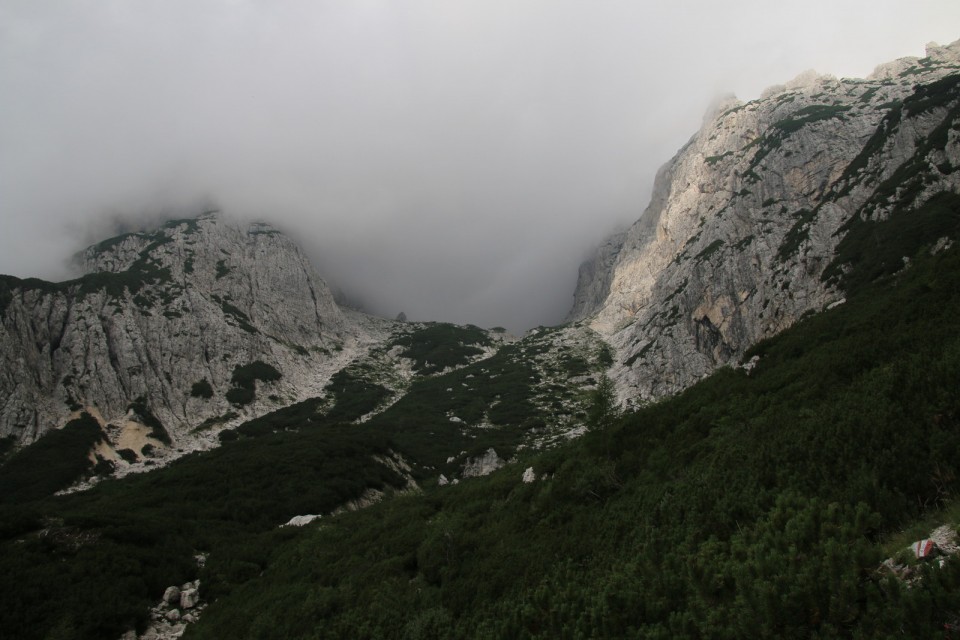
(300, 521)
(593, 281)
(746, 217)
(172, 595)
(482, 465)
(189, 598)
(167, 316)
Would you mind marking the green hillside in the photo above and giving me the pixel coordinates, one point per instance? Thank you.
(755, 505)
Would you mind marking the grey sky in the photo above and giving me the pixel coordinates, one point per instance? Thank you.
(454, 160)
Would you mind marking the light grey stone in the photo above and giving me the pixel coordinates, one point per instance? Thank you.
(189, 599)
(729, 251)
(299, 521)
(482, 465)
(171, 595)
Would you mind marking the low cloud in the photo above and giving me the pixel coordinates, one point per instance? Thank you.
(455, 161)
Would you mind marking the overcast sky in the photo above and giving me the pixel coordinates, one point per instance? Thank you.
(455, 160)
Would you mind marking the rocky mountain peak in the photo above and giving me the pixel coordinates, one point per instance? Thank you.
(194, 325)
(936, 55)
(746, 218)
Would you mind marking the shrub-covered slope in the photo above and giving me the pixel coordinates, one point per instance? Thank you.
(759, 502)
(752, 505)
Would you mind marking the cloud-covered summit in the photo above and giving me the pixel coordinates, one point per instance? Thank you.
(455, 161)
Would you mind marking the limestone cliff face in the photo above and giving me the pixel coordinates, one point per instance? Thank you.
(593, 282)
(747, 216)
(156, 315)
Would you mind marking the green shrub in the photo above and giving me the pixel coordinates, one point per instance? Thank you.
(247, 375)
(245, 378)
(201, 389)
(353, 396)
(241, 396)
(439, 346)
(875, 249)
(53, 462)
(128, 454)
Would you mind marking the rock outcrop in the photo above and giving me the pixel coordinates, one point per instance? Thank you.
(171, 334)
(482, 465)
(179, 607)
(746, 218)
(302, 521)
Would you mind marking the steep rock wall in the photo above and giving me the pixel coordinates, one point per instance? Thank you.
(157, 312)
(747, 216)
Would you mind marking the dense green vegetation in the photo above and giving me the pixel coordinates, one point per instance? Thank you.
(246, 375)
(52, 463)
(883, 247)
(90, 565)
(201, 389)
(7, 444)
(749, 506)
(437, 346)
(495, 391)
(244, 380)
(354, 395)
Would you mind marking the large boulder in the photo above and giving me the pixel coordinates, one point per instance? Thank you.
(172, 595)
(189, 598)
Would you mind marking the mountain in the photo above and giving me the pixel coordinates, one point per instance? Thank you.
(201, 323)
(177, 336)
(460, 482)
(751, 222)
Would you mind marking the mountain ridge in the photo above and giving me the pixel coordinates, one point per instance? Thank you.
(758, 502)
(169, 317)
(747, 216)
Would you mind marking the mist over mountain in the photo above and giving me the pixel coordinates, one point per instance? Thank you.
(748, 426)
(456, 162)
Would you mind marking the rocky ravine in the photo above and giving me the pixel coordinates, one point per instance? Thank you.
(747, 216)
(168, 317)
